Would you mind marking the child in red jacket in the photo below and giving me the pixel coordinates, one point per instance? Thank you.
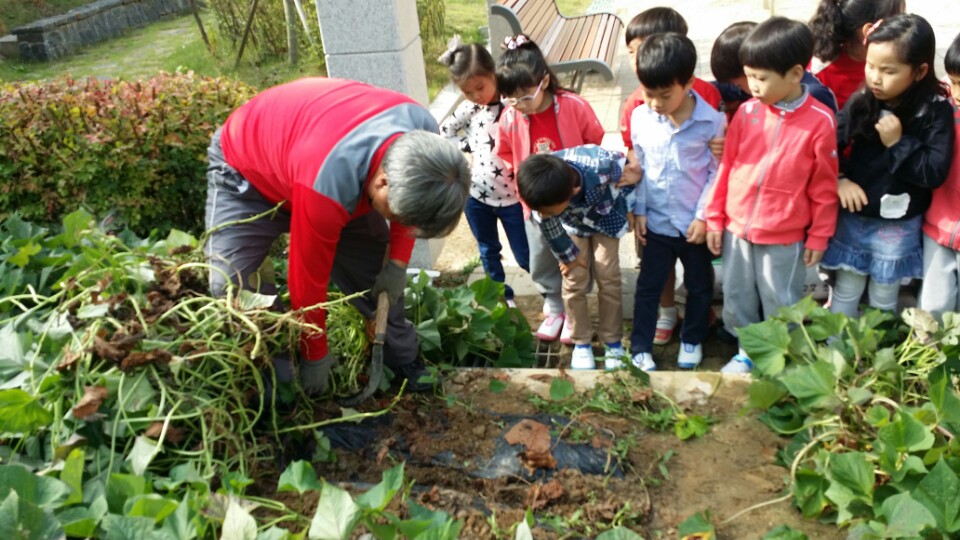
(774, 204)
(941, 223)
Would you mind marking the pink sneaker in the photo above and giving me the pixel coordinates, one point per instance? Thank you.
(550, 327)
(566, 335)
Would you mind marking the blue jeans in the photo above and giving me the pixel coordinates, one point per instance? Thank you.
(483, 223)
(659, 257)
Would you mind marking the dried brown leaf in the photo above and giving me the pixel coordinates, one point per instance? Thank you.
(140, 358)
(89, 404)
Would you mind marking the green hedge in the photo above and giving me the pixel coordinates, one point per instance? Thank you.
(134, 150)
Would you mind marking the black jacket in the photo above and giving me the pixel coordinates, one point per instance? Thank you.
(917, 164)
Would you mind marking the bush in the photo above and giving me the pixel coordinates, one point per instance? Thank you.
(134, 150)
(268, 35)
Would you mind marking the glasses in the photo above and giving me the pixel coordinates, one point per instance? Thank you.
(525, 99)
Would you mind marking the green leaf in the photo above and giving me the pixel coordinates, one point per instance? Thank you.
(825, 324)
(798, 312)
(179, 525)
(429, 335)
(249, 300)
(78, 522)
(785, 419)
(561, 389)
(22, 257)
(689, 426)
(905, 516)
(238, 523)
(619, 533)
(336, 515)
(523, 531)
(142, 453)
(381, 531)
(858, 396)
(885, 360)
(939, 492)
(943, 397)
(72, 475)
(22, 520)
(764, 393)
(766, 343)
(873, 530)
(784, 532)
(851, 485)
(136, 393)
(496, 386)
(21, 413)
(74, 224)
(276, 533)
(150, 505)
(877, 416)
(906, 434)
(93, 311)
(814, 385)
(698, 524)
(125, 528)
(379, 496)
(809, 491)
(853, 471)
(178, 238)
(42, 491)
(300, 477)
(121, 487)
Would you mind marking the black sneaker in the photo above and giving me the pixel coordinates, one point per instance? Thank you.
(419, 378)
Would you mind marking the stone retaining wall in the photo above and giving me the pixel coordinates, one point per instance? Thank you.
(61, 35)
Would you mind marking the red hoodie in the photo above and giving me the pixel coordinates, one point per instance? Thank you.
(707, 91)
(777, 181)
(942, 220)
(315, 143)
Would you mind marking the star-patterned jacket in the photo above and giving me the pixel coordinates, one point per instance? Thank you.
(473, 128)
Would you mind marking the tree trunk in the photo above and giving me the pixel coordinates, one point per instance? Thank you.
(290, 12)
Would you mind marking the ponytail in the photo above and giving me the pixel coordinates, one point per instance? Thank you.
(837, 22)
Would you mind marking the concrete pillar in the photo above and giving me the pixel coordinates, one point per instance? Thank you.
(499, 29)
(378, 42)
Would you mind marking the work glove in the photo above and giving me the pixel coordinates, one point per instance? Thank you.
(392, 279)
(315, 374)
(283, 368)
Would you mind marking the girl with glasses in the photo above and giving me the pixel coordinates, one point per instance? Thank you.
(542, 118)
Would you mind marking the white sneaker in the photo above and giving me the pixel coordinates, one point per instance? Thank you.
(690, 356)
(546, 308)
(644, 361)
(740, 363)
(566, 335)
(511, 303)
(583, 358)
(550, 327)
(613, 357)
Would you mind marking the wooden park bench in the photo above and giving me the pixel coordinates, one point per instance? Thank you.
(579, 44)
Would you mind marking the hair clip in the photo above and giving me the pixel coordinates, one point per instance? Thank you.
(870, 29)
(512, 42)
(447, 57)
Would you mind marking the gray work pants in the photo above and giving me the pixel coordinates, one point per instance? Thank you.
(759, 276)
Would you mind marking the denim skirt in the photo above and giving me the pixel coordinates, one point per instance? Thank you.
(886, 250)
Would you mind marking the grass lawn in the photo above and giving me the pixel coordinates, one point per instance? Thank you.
(176, 44)
(14, 13)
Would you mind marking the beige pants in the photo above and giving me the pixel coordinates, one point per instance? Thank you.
(602, 253)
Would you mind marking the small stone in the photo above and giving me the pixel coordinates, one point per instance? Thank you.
(480, 431)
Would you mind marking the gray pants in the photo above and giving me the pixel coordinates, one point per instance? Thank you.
(544, 268)
(237, 251)
(940, 292)
(757, 276)
(848, 291)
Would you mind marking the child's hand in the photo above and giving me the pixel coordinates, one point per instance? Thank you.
(697, 232)
(889, 128)
(715, 242)
(852, 196)
(631, 219)
(812, 256)
(716, 146)
(640, 229)
(567, 267)
(632, 173)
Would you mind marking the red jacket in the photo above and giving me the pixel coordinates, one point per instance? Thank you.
(576, 122)
(942, 220)
(315, 143)
(706, 90)
(844, 76)
(777, 181)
